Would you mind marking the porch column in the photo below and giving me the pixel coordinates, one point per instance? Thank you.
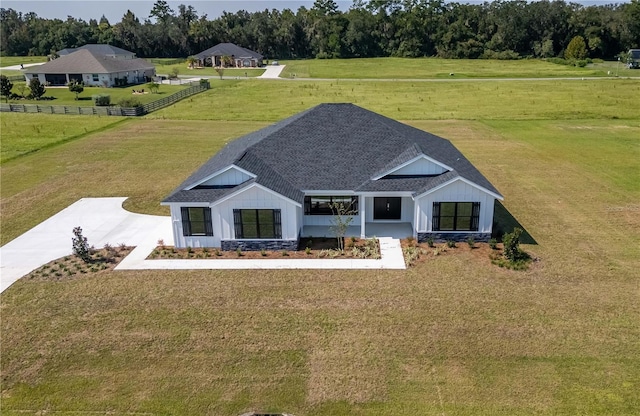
(363, 216)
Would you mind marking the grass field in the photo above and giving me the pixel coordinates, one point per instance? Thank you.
(27, 133)
(407, 68)
(274, 100)
(183, 70)
(17, 60)
(454, 335)
(62, 95)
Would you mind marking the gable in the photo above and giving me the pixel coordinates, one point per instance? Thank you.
(458, 189)
(421, 166)
(231, 176)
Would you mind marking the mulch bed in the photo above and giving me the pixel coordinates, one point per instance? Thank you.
(307, 249)
(72, 266)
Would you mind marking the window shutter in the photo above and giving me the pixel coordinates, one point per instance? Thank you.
(475, 217)
(186, 224)
(237, 223)
(435, 226)
(277, 223)
(208, 224)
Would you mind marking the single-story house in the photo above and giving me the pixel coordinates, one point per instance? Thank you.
(271, 187)
(100, 49)
(240, 57)
(93, 69)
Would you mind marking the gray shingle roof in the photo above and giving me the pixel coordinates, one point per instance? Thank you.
(98, 49)
(84, 61)
(336, 147)
(228, 49)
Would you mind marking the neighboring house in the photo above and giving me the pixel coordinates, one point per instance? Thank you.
(240, 57)
(93, 69)
(270, 187)
(634, 59)
(101, 49)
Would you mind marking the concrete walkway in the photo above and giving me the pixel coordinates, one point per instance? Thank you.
(103, 220)
(272, 72)
(390, 250)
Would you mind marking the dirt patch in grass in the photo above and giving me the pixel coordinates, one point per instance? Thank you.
(307, 249)
(72, 266)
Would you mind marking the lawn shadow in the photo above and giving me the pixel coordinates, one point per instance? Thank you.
(504, 222)
(84, 99)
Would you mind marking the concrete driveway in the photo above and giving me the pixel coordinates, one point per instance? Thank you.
(103, 220)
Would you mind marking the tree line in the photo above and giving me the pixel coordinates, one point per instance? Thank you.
(402, 28)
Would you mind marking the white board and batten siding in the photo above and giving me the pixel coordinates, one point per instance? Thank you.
(420, 166)
(182, 241)
(230, 176)
(406, 213)
(457, 191)
(254, 197)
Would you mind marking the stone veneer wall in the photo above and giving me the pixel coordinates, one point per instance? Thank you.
(458, 237)
(257, 245)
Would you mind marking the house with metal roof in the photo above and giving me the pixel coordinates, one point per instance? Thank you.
(234, 55)
(94, 69)
(267, 189)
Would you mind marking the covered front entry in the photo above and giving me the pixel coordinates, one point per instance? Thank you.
(387, 208)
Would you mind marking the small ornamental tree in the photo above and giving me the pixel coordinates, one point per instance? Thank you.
(154, 87)
(220, 71)
(191, 61)
(81, 245)
(77, 87)
(342, 218)
(174, 73)
(577, 49)
(5, 87)
(37, 89)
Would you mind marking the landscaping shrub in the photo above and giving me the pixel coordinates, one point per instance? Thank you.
(80, 245)
(493, 244)
(451, 244)
(101, 100)
(511, 248)
(129, 103)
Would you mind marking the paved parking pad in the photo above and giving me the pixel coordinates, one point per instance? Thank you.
(103, 220)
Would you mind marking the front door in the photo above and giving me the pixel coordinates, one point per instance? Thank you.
(387, 208)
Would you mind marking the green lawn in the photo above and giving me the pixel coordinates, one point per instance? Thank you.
(62, 95)
(184, 70)
(17, 60)
(27, 133)
(273, 100)
(455, 335)
(419, 68)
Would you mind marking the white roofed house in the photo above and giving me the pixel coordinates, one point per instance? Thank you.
(267, 189)
(100, 66)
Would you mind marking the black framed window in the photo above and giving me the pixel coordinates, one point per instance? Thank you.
(321, 205)
(196, 221)
(456, 216)
(257, 223)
